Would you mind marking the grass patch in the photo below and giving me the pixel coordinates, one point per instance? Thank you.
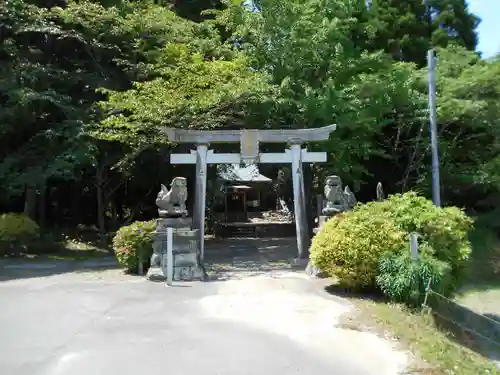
(485, 263)
(61, 246)
(436, 352)
(482, 292)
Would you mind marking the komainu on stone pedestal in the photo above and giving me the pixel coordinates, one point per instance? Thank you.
(337, 200)
(172, 203)
(185, 247)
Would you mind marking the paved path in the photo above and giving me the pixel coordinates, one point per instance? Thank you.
(271, 323)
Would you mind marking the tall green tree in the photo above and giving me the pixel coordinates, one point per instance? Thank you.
(45, 98)
(408, 28)
(469, 125)
(55, 64)
(194, 9)
(322, 74)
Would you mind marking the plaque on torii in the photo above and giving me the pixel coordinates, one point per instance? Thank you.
(249, 140)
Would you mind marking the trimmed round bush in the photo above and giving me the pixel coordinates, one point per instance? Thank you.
(349, 247)
(17, 232)
(369, 247)
(132, 240)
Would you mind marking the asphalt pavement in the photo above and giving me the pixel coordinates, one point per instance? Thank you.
(69, 325)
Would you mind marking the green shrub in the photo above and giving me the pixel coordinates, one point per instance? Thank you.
(404, 280)
(444, 231)
(130, 241)
(17, 232)
(370, 246)
(349, 247)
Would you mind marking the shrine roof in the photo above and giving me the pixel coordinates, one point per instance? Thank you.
(236, 172)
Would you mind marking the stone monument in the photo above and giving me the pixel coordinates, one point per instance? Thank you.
(186, 248)
(380, 192)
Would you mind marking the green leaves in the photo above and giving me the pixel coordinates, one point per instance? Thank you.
(134, 242)
(369, 247)
(187, 89)
(404, 280)
(468, 113)
(90, 83)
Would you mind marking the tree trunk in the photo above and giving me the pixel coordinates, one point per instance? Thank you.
(76, 217)
(42, 205)
(114, 215)
(101, 219)
(30, 201)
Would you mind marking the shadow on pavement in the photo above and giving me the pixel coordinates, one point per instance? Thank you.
(366, 294)
(237, 258)
(15, 269)
(226, 259)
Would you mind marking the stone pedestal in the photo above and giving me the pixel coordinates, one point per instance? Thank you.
(321, 222)
(186, 251)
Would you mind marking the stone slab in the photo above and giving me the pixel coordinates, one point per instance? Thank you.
(155, 274)
(173, 222)
(185, 260)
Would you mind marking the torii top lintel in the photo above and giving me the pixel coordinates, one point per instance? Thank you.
(264, 136)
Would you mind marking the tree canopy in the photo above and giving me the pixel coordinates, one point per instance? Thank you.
(87, 85)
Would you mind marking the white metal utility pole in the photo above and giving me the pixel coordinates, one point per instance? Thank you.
(436, 189)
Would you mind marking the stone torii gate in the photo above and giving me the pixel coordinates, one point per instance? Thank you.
(249, 140)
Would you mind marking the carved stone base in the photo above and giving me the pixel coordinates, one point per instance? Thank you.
(185, 252)
(299, 263)
(331, 211)
(173, 222)
(155, 274)
(181, 273)
(173, 213)
(313, 271)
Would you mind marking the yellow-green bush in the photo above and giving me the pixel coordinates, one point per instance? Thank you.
(444, 231)
(17, 231)
(349, 247)
(371, 244)
(130, 241)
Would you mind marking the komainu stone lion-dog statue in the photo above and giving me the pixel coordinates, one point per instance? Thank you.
(172, 202)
